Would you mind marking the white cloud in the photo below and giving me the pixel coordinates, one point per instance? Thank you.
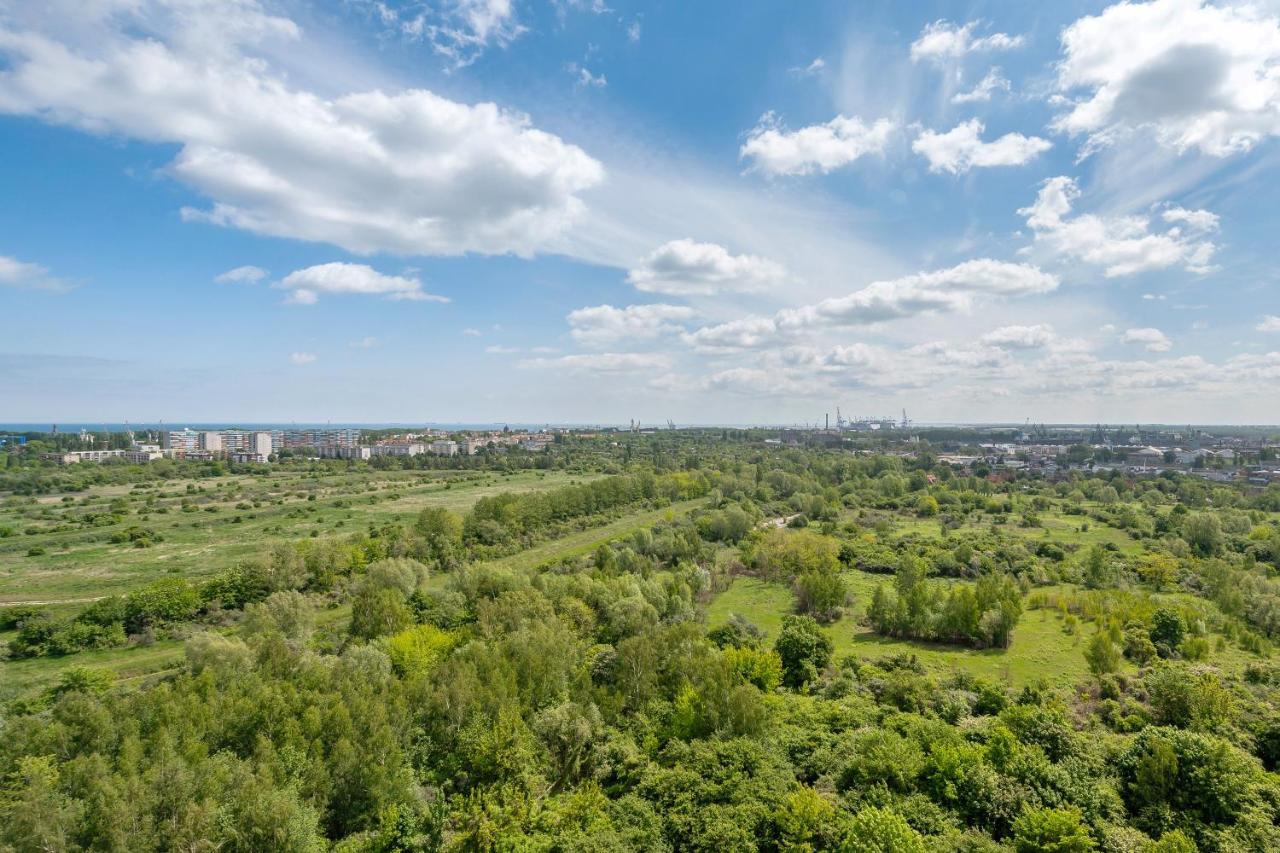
(27, 276)
(994, 82)
(952, 289)
(633, 32)
(472, 333)
(961, 148)
(241, 275)
(1269, 323)
(305, 285)
(774, 150)
(686, 268)
(1153, 339)
(583, 77)
(460, 30)
(602, 325)
(746, 333)
(498, 349)
(301, 358)
(1196, 220)
(809, 70)
(1020, 337)
(1198, 75)
(365, 343)
(943, 40)
(1122, 245)
(601, 362)
(403, 171)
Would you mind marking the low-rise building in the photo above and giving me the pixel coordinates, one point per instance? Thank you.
(398, 448)
(444, 447)
(71, 457)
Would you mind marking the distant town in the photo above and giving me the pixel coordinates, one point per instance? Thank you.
(1219, 454)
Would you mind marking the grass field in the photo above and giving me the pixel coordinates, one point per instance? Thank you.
(233, 518)
(1041, 647)
(74, 577)
(1056, 526)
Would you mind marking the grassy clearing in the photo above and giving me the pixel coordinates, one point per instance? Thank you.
(81, 565)
(1041, 647)
(1055, 526)
(586, 541)
(134, 664)
(130, 664)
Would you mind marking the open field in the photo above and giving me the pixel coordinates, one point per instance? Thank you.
(1055, 526)
(137, 663)
(1041, 647)
(209, 525)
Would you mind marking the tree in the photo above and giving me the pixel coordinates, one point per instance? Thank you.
(787, 554)
(822, 595)
(1158, 569)
(1051, 831)
(1099, 569)
(377, 611)
(1203, 532)
(1167, 631)
(1102, 654)
(440, 532)
(805, 651)
(877, 830)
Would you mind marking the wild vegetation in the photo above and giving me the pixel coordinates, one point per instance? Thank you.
(689, 641)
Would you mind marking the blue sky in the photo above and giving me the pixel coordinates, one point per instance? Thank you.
(488, 210)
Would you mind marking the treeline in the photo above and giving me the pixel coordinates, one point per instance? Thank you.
(981, 614)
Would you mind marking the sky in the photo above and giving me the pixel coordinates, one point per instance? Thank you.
(589, 211)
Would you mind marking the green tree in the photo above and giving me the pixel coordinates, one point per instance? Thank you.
(1203, 532)
(805, 651)
(1051, 831)
(877, 830)
(1102, 654)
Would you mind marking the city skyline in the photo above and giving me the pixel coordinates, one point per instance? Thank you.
(573, 212)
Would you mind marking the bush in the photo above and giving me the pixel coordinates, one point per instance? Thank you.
(1051, 831)
(822, 595)
(159, 602)
(876, 830)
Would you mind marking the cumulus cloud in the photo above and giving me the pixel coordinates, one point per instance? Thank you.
(1020, 337)
(306, 285)
(941, 41)
(1198, 75)
(301, 358)
(1122, 245)
(687, 268)
(602, 325)
(403, 171)
(820, 148)
(939, 291)
(1269, 323)
(961, 148)
(601, 362)
(1153, 339)
(365, 343)
(241, 275)
(994, 82)
(746, 333)
(22, 275)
